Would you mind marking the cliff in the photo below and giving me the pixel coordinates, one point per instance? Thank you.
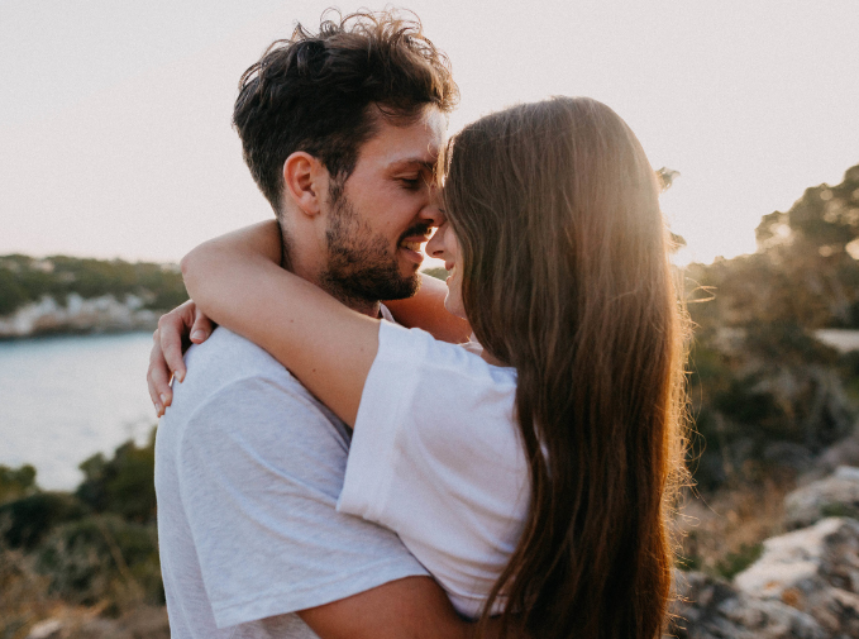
(97, 314)
(65, 294)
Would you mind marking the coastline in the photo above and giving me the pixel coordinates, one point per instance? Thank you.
(78, 316)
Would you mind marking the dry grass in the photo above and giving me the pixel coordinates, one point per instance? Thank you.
(26, 604)
(723, 532)
(25, 600)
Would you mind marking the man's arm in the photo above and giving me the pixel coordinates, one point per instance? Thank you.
(409, 608)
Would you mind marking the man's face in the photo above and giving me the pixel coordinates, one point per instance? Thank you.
(386, 209)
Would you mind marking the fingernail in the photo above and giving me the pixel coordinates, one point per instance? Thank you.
(181, 376)
(164, 399)
(198, 335)
(159, 409)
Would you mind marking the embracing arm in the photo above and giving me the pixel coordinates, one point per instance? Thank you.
(327, 346)
(188, 324)
(426, 310)
(414, 607)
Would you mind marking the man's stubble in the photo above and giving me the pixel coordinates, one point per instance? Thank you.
(361, 268)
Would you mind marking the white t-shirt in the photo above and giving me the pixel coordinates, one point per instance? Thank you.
(248, 468)
(437, 457)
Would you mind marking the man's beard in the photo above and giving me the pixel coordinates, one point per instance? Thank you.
(360, 264)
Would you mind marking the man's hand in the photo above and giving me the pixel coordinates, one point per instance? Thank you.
(176, 331)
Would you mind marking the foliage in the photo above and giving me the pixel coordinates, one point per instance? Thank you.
(16, 482)
(25, 279)
(804, 273)
(765, 392)
(102, 557)
(25, 596)
(97, 545)
(123, 485)
(437, 272)
(26, 521)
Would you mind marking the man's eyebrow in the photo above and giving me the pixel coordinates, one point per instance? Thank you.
(412, 162)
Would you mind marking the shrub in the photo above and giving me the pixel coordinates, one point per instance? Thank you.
(103, 558)
(25, 522)
(124, 485)
(17, 482)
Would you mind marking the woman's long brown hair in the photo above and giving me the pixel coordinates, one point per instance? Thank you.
(566, 277)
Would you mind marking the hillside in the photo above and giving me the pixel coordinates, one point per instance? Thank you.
(68, 294)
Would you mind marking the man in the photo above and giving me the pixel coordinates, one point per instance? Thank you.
(341, 132)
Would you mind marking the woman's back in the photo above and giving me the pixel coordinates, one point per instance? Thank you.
(567, 279)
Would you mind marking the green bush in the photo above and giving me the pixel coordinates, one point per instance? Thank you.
(26, 521)
(124, 485)
(102, 558)
(24, 279)
(17, 482)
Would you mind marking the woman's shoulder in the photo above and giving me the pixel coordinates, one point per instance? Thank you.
(419, 351)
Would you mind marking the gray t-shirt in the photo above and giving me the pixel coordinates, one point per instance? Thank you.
(248, 469)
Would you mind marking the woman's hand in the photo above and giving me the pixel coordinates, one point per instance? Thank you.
(177, 330)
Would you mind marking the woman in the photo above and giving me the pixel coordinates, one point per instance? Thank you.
(558, 258)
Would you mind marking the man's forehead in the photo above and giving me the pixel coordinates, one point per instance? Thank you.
(416, 144)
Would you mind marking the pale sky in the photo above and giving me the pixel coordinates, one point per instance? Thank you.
(115, 136)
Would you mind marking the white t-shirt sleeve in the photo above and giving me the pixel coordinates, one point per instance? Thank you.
(436, 456)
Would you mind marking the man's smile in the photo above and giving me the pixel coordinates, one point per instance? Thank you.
(411, 241)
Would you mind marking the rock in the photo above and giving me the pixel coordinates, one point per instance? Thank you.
(814, 570)
(844, 452)
(47, 629)
(836, 495)
(710, 608)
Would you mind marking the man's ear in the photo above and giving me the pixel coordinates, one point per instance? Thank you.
(306, 181)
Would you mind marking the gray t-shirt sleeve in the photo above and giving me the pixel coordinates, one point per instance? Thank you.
(260, 470)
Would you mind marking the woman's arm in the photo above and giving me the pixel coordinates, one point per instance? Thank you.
(426, 310)
(327, 346)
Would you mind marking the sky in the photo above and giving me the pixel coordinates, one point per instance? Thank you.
(115, 137)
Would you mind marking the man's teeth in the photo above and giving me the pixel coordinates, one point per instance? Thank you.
(412, 246)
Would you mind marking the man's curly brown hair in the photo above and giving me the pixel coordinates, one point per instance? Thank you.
(323, 93)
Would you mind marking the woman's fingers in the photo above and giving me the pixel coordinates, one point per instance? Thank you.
(170, 341)
(173, 329)
(158, 377)
(202, 327)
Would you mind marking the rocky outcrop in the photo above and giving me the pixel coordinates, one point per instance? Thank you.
(836, 495)
(814, 570)
(96, 314)
(711, 608)
(804, 584)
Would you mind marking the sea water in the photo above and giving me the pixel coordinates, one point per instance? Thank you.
(63, 399)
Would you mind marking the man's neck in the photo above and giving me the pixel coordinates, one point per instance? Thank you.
(369, 308)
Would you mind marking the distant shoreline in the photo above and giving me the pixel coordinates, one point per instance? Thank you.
(72, 332)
